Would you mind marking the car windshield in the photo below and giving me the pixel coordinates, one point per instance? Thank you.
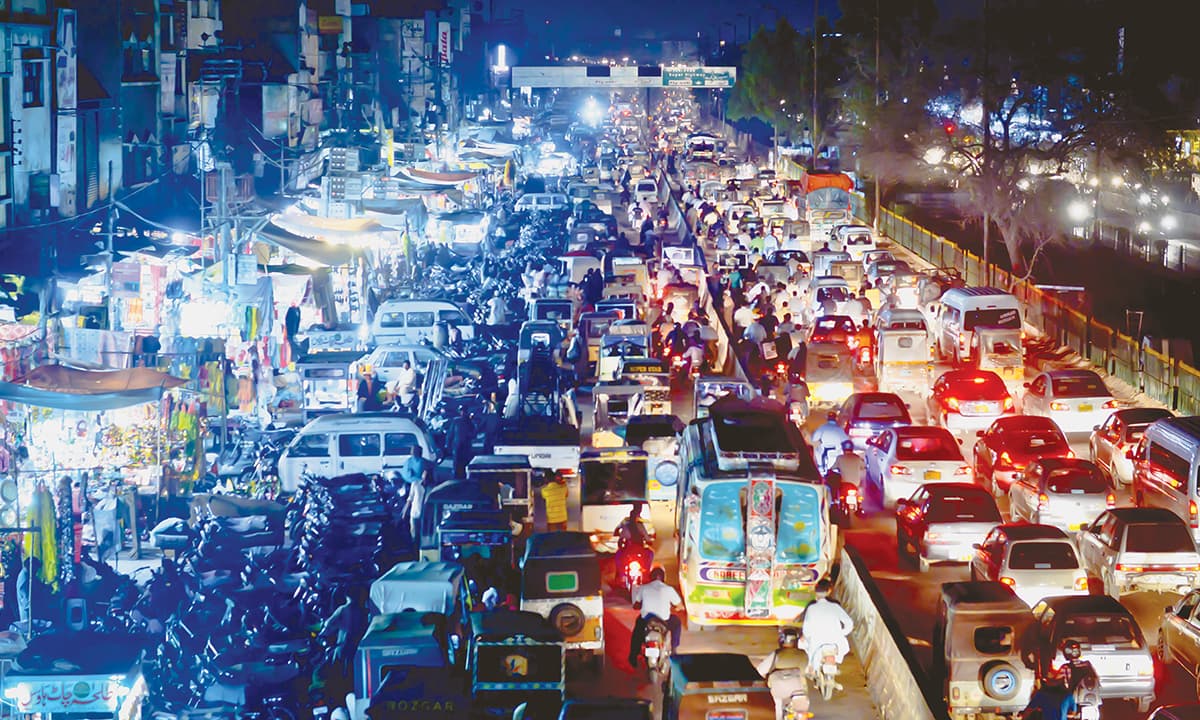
(882, 409)
(835, 293)
(606, 483)
(1160, 537)
(1047, 555)
(1080, 386)
(967, 507)
(1100, 630)
(928, 446)
(1076, 481)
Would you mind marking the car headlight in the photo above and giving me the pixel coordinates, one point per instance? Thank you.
(667, 473)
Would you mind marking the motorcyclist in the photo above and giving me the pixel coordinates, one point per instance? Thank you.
(784, 670)
(654, 599)
(1077, 673)
(1051, 701)
(849, 467)
(827, 440)
(825, 623)
(693, 356)
(632, 540)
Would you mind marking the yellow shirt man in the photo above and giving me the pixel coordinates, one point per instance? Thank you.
(555, 495)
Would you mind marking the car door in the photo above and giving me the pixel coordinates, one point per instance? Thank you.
(1104, 440)
(877, 451)
(1023, 497)
(984, 452)
(1035, 402)
(984, 558)
(359, 452)
(1089, 542)
(1181, 632)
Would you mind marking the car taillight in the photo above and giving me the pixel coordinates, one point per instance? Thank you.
(963, 470)
(1056, 405)
(963, 339)
(1192, 513)
(1081, 582)
(931, 536)
(1043, 501)
(1008, 581)
(1008, 403)
(1110, 500)
(1121, 567)
(780, 368)
(1110, 405)
(851, 493)
(1070, 454)
(1189, 568)
(951, 403)
(652, 644)
(900, 470)
(1005, 459)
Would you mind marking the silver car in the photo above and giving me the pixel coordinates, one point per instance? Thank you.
(1036, 561)
(1129, 549)
(1065, 492)
(1109, 637)
(900, 460)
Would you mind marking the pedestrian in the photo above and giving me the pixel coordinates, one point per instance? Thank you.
(105, 507)
(459, 439)
(554, 494)
(369, 391)
(404, 387)
(415, 471)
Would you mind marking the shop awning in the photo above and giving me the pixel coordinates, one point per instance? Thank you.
(323, 252)
(66, 388)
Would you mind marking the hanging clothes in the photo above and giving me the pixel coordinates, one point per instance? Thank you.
(43, 544)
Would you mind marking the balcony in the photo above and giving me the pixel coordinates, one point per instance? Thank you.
(240, 191)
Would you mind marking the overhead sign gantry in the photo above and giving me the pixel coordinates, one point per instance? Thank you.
(623, 76)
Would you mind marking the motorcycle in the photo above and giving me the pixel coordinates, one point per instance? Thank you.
(1087, 696)
(633, 566)
(797, 707)
(827, 674)
(847, 501)
(657, 649)
(863, 359)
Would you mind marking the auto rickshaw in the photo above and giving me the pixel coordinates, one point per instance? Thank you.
(482, 542)
(902, 360)
(728, 260)
(625, 339)
(611, 481)
(437, 587)
(852, 271)
(584, 237)
(904, 289)
(629, 279)
(708, 686)
(980, 637)
(537, 333)
(516, 658)
(829, 372)
(711, 388)
(653, 375)
(613, 404)
(452, 496)
(626, 308)
(576, 265)
(402, 668)
(1000, 351)
(658, 435)
(511, 476)
(593, 326)
(555, 310)
(682, 296)
(560, 580)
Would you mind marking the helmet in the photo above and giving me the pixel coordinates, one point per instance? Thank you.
(789, 637)
(847, 446)
(831, 416)
(1071, 650)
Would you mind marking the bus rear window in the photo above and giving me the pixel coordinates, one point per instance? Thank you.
(1007, 318)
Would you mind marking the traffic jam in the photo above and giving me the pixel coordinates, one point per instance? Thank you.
(615, 480)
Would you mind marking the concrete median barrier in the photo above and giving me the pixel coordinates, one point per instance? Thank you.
(898, 685)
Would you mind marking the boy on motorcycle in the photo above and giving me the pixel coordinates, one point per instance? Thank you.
(827, 441)
(825, 623)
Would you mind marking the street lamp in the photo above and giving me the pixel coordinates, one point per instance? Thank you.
(1078, 211)
(1169, 223)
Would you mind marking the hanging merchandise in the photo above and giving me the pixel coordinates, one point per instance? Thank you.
(43, 544)
(65, 531)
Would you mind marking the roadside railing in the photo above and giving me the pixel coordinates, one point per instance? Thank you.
(1164, 379)
(897, 683)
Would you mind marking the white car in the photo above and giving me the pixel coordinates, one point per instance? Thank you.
(645, 192)
(1036, 561)
(1113, 442)
(900, 460)
(1076, 400)
(387, 360)
(857, 244)
(1065, 492)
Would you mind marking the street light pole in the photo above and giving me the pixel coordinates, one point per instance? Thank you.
(876, 221)
(816, 143)
(987, 143)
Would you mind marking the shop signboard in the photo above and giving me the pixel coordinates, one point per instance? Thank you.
(444, 42)
(74, 694)
(66, 165)
(329, 24)
(275, 111)
(166, 73)
(65, 61)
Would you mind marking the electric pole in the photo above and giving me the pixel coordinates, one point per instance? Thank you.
(876, 221)
(987, 144)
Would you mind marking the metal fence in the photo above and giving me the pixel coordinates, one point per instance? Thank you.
(1162, 378)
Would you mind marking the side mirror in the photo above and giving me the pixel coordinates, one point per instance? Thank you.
(978, 433)
(1131, 454)
(1095, 428)
(976, 546)
(1025, 384)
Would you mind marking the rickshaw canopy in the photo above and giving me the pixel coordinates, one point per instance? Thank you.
(421, 586)
(560, 565)
(449, 497)
(626, 308)
(700, 672)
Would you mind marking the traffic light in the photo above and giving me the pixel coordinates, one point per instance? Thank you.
(949, 127)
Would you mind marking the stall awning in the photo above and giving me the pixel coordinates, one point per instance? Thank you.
(65, 388)
(323, 252)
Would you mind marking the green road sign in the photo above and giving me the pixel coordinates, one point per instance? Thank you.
(705, 77)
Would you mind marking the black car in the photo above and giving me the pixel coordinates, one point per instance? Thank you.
(864, 415)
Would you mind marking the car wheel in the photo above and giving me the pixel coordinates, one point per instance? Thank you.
(902, 553)
(1000, 680)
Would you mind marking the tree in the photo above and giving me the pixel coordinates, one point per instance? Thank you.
(1035, 97)
(768, 74)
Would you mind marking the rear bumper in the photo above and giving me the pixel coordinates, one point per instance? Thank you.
(1156, 582)
(957, 423)
(1076, 423)
(1126, 687)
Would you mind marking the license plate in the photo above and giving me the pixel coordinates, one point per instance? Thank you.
(652, 653)
(982, 408)
(966, 555)
(1085, 408)
(933, 475)
(1076, 526)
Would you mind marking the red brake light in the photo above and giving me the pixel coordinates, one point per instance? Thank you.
(952, 403)
(963, 470)
(1110, 500)
(1004, 459)
(1059, 406)
(1008, 403)
(900, 470)
(1008, 581)
(1043, 501)
(1081, 582)
(1110, 405)
(1129, 568)
(1192, 513)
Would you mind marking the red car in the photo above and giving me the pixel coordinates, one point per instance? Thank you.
(964, 400)
(1012, 442)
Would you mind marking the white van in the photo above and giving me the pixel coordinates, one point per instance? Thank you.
(1165, 464)
(542, 202)
(345, 443)
(961, 310)
(646, 191)
(408, 322)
